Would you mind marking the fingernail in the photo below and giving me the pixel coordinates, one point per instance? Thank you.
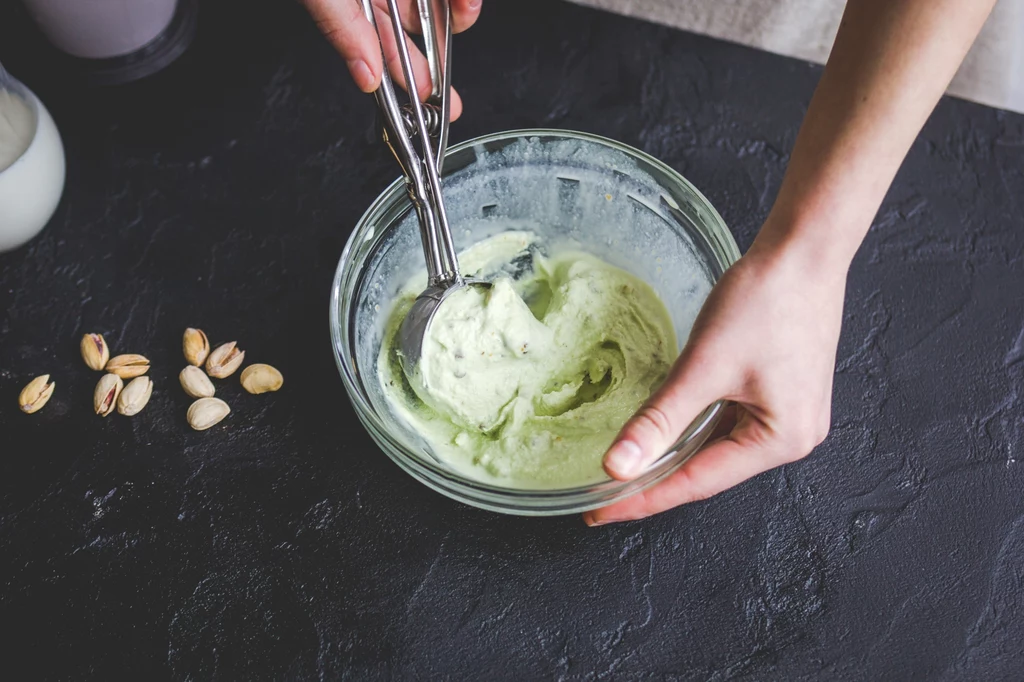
(623, 458)
(361, 74)
(588, 518)
(474, 5)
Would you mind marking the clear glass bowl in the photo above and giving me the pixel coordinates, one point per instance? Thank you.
(574, 189)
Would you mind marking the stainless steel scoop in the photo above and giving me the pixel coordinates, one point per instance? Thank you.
(428, 124)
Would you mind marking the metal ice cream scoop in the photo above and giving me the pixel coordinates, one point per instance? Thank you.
(428, 124)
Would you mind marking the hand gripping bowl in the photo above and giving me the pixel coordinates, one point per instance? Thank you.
(573, 189)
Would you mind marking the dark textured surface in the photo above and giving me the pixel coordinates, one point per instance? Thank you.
(285, 545)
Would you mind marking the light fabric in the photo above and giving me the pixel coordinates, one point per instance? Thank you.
(992, 73)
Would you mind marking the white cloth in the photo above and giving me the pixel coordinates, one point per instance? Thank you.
(992, 73)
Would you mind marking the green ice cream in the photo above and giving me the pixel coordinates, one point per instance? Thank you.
(526, 384)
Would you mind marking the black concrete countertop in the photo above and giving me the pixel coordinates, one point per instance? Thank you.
(284, 545)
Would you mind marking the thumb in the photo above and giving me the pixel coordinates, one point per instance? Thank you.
(724, 463)
(687, 391)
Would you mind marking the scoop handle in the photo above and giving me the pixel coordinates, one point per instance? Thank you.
(401, 125)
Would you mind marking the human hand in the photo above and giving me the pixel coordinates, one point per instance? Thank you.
(766, 340)
(766, 337)
(346, 27)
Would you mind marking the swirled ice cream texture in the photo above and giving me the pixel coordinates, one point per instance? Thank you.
(525, 384)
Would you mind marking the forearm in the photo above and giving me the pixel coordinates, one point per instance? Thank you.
(890, 63)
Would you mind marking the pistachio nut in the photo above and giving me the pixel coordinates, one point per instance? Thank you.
(135, 396)
(261, 378)
(195, 382)
(35, 394)
(104, 399)
(206, 412)
(95, 351)
(196, 346)
(128, 366)
(224, 360)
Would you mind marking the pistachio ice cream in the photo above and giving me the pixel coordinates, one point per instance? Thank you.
(525, 384)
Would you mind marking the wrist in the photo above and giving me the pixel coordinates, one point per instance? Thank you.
(800, 252)
(817, 237)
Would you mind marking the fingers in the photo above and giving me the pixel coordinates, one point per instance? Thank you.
(420, 67)
(719, 466)
(408, 13)
(464, 14)
(658, 424)
(347, 29)
(393, 60)
(455, 109)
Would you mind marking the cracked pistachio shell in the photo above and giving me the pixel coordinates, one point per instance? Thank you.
(261, 378)
(95, 351)
(196, 383)
(128, 366)
(134, 396)
(195, 346)
(35, 394)
(207, 412)
(104, 398)
(224, 360)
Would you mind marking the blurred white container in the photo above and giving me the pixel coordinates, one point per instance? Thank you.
(116, 41)
(31, 164)
(100, 29)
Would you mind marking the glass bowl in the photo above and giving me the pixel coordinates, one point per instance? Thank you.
(573, 189)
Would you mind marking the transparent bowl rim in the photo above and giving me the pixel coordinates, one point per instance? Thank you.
(471, 491)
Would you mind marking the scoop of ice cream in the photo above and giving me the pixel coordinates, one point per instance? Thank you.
(526, 384)
(480, 353)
